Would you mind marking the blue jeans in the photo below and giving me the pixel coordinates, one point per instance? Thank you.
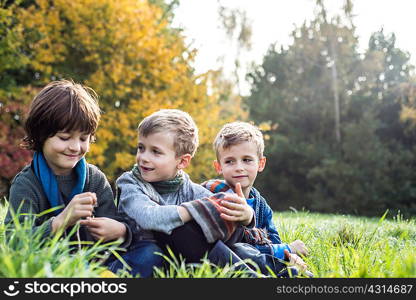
(141, 258)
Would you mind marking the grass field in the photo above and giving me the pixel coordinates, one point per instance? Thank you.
(339, 246)
(346, 246)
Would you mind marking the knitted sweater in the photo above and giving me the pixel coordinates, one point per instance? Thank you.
(263, 217)
(27, 193)
(149, 214)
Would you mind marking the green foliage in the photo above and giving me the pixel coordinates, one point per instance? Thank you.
(366, 167)
(11, 58)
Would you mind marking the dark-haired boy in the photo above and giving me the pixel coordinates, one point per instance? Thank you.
(62, 120)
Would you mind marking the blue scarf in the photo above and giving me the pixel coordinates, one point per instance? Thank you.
(49, 183)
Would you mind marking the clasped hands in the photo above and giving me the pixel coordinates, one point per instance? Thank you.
(234, 207)
(80, 210)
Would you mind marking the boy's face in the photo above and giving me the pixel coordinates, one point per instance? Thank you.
(63, 150)
(156, 157)
(240, 163)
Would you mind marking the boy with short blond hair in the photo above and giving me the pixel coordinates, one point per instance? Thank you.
(239, 148)
(160, 198)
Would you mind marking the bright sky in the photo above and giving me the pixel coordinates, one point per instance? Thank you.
(274, 20)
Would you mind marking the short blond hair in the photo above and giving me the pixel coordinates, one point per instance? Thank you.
(177, 122)
(236, 133)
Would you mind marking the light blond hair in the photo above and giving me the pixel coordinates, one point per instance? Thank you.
(236, 133)
(174, 121)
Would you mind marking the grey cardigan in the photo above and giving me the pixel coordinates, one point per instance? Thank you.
(27, 193)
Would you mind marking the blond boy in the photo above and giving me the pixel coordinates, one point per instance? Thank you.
(239, 150)
(157, 195)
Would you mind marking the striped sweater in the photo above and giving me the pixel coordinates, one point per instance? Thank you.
(264, 236)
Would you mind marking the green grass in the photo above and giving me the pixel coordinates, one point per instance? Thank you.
(28, 254)
(346, 246)
(339, 246)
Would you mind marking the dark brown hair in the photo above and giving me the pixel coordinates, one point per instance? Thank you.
(60, 106)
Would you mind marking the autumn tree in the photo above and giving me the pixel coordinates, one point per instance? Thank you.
(13, 100)
(130, 54)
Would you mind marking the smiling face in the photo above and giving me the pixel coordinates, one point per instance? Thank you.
(240, 163)
(156, 157)
(63, 150)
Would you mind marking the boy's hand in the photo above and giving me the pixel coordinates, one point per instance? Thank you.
(184, 214)
(81, 206)
(104, 229)
(299, 248)
(235, 207)
(295, 260)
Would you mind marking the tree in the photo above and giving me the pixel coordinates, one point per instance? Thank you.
(129, 53)
(12, 157)
(320, 89)
(13, 101)
(237, 27)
